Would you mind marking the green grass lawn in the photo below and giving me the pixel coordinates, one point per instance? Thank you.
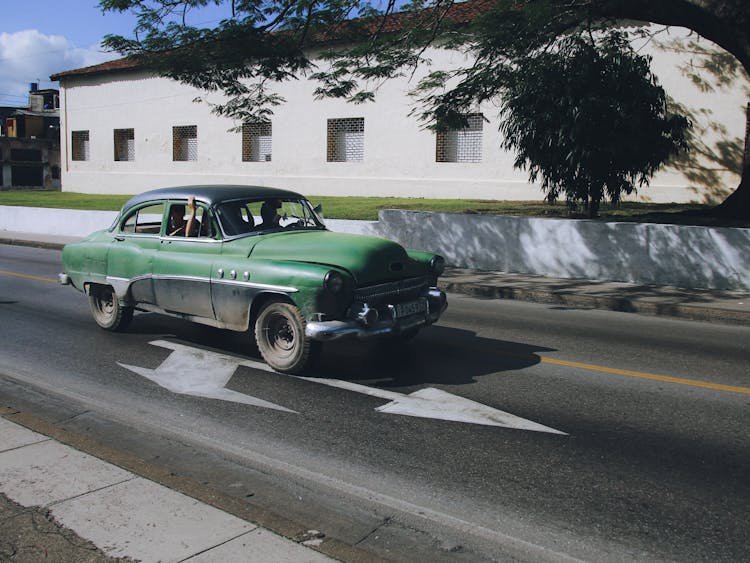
(366, 208)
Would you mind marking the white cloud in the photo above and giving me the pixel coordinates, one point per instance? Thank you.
(30, 56)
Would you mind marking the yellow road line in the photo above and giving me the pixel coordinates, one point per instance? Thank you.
(651, 376)
(629, 373)
(27, 276)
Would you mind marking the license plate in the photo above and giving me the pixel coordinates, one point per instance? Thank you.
(411, 308)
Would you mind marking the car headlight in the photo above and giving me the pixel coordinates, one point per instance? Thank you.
(333, 281)
(437, 265)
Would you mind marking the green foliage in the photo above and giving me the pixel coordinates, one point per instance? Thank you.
(580, 109)
(263, 42)
(588, 119)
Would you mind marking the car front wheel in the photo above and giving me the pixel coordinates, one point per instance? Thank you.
(280, 335)
(106, 309)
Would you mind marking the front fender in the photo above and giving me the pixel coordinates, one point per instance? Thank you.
(241, 282)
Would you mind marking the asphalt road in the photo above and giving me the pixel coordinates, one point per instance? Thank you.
(650, 461)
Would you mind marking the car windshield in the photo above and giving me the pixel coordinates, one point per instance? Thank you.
(253, 216)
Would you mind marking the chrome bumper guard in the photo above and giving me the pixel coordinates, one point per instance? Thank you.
(63, 279)
(325, 331)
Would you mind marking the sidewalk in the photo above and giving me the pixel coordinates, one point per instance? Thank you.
(732, 307)
(60, 504)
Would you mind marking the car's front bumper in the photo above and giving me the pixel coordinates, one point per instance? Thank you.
(391, 325)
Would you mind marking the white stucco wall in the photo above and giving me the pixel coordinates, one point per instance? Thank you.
(399, 155)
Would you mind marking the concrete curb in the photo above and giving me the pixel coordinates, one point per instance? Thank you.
(31, 243)
(696, 305)
(280, 525)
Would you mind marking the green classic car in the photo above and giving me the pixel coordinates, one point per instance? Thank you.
(254, 258)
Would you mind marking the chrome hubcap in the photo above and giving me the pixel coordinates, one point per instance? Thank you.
(280, 333)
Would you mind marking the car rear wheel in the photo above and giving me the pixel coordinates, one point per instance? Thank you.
(106, 309)
(280, 335)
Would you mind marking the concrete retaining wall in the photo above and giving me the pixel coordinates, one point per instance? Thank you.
(63, 222)
(691, 257)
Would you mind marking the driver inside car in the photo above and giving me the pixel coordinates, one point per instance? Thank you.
(269, 213)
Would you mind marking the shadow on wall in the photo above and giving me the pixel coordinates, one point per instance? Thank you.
(714, 154)
(693, 257)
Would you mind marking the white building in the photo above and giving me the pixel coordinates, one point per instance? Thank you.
(124, 130)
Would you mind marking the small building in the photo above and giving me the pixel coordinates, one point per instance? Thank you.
(127, 130)
(30, 143)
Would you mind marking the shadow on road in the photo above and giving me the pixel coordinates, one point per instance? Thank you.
(438, 355)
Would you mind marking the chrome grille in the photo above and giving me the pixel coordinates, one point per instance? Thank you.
(392, 292)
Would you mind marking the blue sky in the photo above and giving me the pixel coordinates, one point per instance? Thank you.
(41, 37)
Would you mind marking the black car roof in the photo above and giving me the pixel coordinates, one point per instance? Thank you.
(211, 195)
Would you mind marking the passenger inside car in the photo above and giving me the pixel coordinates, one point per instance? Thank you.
(178, 225)
(235, 218)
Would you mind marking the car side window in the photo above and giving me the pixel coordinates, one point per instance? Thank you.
(144, 220)
(205, 222)
(235, 218)
(179, 214)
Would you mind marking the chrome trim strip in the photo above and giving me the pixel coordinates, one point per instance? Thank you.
(117, 279)
(121, 285)
(118, 282)
(243, 283)
(167, 238)
(179, 278)
(127, 235)
(325, 331)
(113, 280)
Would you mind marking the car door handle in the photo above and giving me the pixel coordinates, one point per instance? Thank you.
(120, 238)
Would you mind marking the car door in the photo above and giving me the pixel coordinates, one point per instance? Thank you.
(136, 239)
(232, 291)
(182, 267)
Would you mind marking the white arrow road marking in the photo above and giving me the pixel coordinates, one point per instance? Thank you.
(434, 403)
(191, 371)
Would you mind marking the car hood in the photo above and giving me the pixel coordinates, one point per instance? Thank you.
(368, 259)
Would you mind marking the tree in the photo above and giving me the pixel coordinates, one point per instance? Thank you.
(559, 117)
(724, 22)
(268, 40)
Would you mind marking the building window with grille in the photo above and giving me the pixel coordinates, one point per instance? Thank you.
(256, 142)
(124, 144)
(185, 143)
(80, 148)
(346, 140)
(461, 145)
